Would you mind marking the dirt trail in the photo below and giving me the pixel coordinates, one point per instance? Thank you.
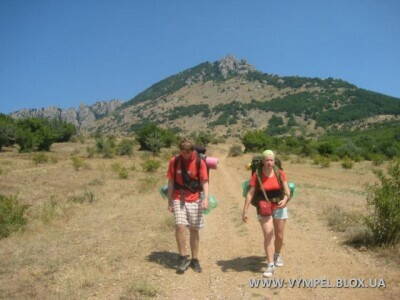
(232, 252)
(122, 245)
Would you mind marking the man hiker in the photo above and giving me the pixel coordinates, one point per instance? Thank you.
(187, 180)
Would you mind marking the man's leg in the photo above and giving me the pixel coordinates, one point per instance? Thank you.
(181, 238)
(194, 242)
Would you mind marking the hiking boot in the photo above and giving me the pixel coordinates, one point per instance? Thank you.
(195, 265)
(278, 260)
(183, 264)
(270, 271)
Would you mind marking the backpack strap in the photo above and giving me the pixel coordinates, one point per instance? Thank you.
(187, 181)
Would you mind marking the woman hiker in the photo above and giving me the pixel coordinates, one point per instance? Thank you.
(272, 224)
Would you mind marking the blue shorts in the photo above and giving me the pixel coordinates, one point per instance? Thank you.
(279, 213)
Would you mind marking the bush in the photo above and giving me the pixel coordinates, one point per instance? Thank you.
(7, 131)
(151, 165)
(11, 215)
(325, 162)
(125, 147)
(91, 151)
(235, 150)
(78, 163)
(153, 138)
(40, 158)
(123, 173)
(86, 197)
(384, 202)
(347, 163)
(105, 146)
(39, 134)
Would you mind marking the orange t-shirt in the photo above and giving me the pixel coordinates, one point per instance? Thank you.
(191, 167)
(269, 183)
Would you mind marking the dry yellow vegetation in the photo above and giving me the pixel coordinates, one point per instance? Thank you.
(94, 235)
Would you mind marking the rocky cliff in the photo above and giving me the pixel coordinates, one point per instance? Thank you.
(82, 117)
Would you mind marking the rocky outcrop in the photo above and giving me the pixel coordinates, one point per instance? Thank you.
(83, 117)
(230, 65)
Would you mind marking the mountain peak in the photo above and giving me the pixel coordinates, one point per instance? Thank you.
(229, 64)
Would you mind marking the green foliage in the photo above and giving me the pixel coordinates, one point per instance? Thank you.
(202, 138)
(153, 138)
(228, 113)
(150, 165)
(235, 150)
(256, 140)
(7, 131)
(189, 111)
(347, 163)
(86, 197)
(123, 173)
(340, 220)
(105, 146)
(39, 134)
(323, 162)
(384, 202)
(40, 158)
(11, 215)
(91, 151)
(125, 147)
(78, 163)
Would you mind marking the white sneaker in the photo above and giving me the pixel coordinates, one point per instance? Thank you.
(278, 261)
(270, 271)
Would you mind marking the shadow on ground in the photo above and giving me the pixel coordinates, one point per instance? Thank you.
(241, 264)
(164, 258)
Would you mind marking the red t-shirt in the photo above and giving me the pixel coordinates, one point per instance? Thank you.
(191, 167)
(269, 183)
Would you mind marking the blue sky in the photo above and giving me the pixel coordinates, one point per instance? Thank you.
(63, 53)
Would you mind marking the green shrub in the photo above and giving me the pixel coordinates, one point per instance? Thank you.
(141, 289)
(340, 220)
(151, 165)
(384, 203)
(105, 146)
(7, 131)
(40, 158)
(325, 162)
(78, 163)
(11, 215)
(39, 134)
(86, 197)
(347, 163)
(91, 151)
(153, 138)
(123, 173)
(235, 150)
(125, 147)
(115, 167)
(377, 160)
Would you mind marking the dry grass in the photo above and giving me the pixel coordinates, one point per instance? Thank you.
(93, 235)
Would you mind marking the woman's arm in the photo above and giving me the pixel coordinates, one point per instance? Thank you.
(247, 202)
(286, 198)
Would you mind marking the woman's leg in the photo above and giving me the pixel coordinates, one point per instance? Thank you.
(279, 228)
(267, 227)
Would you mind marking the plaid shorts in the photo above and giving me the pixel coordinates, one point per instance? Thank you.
(189, 214)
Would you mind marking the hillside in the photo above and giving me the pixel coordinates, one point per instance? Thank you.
(230, 96)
